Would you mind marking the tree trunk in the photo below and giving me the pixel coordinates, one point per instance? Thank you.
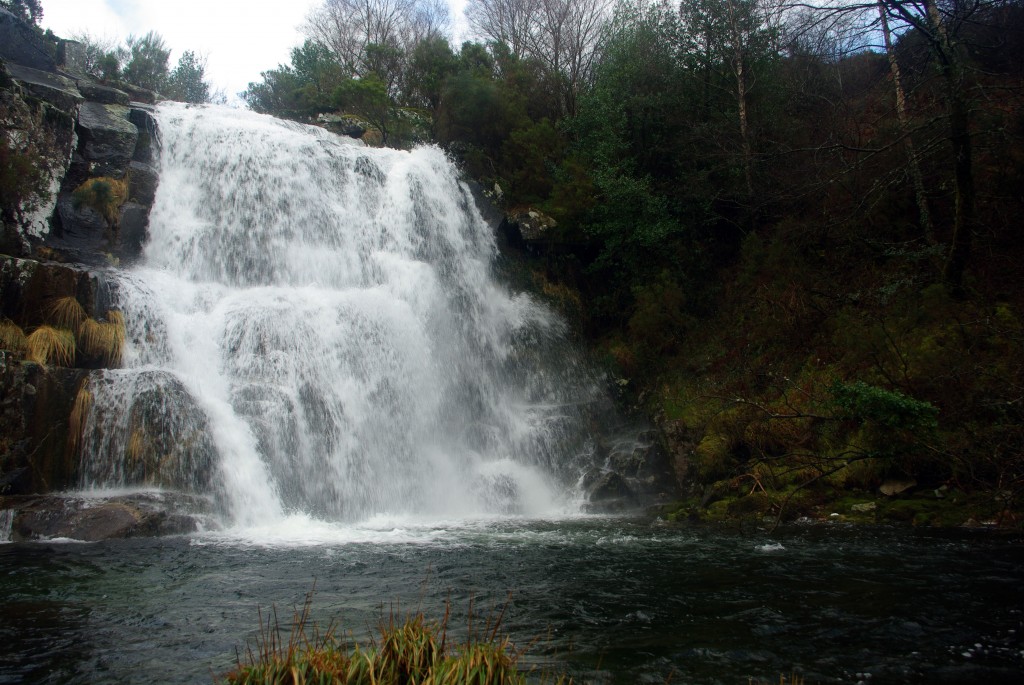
(913, 169)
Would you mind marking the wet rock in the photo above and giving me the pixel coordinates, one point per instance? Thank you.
(21, 44)
(35, 404)
(108, 138)
(142, 182)
(105, 95)
(91, 519)
(609, 492)
(132, 230)
(531, 225)
(148, 145)
(29, 287)
(343, 125)
(59, 91)
(82, 230)
(150, 434)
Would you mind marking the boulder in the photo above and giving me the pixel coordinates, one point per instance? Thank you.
(107, 138)
(59, 91)
(72, 58)
(105, 95)
(142, 182)
(91, 519)
(22, 44)
(896, 486)
(132, 231)
(610, 492)
(151, 433)
(342, 124)
(148, 145)
(532, 225)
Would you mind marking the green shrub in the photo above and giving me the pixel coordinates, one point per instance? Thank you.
(860, 401)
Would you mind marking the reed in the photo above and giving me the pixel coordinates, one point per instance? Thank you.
(48, 345)
(413, 650)
(11, 336)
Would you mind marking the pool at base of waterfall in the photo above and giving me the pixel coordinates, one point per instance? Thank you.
(606, 600)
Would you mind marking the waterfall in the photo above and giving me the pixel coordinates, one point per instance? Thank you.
(315, 328)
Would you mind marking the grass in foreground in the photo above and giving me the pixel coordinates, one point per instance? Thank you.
(412, 651)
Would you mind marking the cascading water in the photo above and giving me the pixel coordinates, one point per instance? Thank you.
(315, 329)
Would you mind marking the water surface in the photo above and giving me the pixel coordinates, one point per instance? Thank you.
(609, 600)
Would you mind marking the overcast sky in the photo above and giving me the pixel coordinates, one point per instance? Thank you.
(240, 38)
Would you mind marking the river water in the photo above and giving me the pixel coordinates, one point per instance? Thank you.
(607, 600)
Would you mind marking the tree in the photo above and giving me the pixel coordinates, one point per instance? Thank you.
(186, 82)
(560, 34)
(359, 32)
(509, 22)
(148, 57)
(102, 56)
(30, 11)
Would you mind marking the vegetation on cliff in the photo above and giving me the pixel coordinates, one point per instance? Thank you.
(789, 229)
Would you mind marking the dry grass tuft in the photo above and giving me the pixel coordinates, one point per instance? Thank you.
(11, 336)
(411, 651)
(79, 413)
(136, 448)
(66, 312)
(48, 345)
(103, 339)
(104, 194)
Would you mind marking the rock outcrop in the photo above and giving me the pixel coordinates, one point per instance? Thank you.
(79, 181)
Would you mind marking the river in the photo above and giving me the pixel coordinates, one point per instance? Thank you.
(607, 600)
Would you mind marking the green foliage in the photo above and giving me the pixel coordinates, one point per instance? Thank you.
(536, 149)
(186, 81)
(860, 401)
(147, 62)
(368, 98)
(430, 66)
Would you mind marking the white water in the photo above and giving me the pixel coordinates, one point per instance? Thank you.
(315, 333)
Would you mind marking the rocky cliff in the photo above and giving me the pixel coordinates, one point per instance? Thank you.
(78, 180)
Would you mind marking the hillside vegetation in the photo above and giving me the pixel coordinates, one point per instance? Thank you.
(790, 232)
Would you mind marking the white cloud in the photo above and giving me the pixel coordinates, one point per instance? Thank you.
(240, 38)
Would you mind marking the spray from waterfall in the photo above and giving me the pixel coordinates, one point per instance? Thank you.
(315, 329)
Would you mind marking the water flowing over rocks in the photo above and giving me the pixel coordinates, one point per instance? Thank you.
(275, 320)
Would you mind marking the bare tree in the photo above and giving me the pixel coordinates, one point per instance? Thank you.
(562, 35)
(348, 28)
(503, 21)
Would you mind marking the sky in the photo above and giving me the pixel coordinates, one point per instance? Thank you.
(239, 38)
